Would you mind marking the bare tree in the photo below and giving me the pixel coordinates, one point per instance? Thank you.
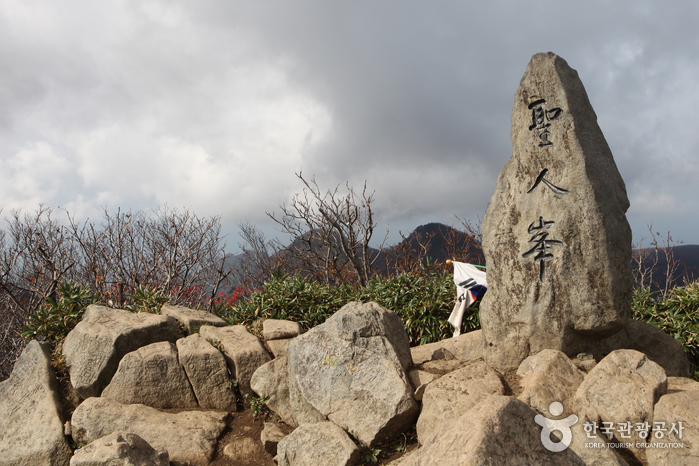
(330, 233)
(259, 258)
(657, 267)
(178, 253)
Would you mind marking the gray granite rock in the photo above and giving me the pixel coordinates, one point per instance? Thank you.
(273, 329)
(95, 346)
(192, 319)
(351, 369)
(272, 379)
(31, 426)
(119, 449)
(207, 373)
(454, 394)
(555, 234)
(500, 430)
(675, 437)
(188, 436)
(315, 444)
(243, 351)
(547, 377)
(622, 388)
(152, 375)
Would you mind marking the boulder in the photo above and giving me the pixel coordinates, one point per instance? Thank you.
(500, 430)
(585, 362)
(593, 448)
(207, 373)
(314, 444)
(241, 449)
(152, 375)
(243, 351)
(660, 347)
(676, 384)
(454, 394)
(622, 388)
(271, 436)
(188, 436)
(278, 347)
(273, 329)
(555, 234)
(31, 429)
(351, 369)
(442, 366)
(272, 379)
(547, 377)
(119, 449)
(95, 346)
(419, 379)
(675, 437)
(466, 347)
(192, 319)
(303, 411)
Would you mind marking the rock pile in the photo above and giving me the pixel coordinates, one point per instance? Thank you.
(559, 374)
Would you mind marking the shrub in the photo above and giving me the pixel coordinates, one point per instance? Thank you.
(55, 319)
(676, 313)
(422, 301)
(301, 300)
(147, 299)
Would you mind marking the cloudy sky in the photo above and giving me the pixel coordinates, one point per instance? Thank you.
(214, 105)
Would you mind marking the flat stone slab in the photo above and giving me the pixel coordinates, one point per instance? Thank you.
(466, 347)
(192, 319)
(188, 436)
(119, 449)
(273, 329)
(95, 346)
(31, 429)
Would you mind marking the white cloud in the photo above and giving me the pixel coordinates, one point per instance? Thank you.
(215, 105)
(31, 175)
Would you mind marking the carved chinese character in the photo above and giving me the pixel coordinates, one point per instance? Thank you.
(540, 119)
(540, 179)
(542, 244)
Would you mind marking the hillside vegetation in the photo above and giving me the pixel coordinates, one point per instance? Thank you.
(51, 271)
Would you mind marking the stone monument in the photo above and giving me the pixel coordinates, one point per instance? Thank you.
(555, 236)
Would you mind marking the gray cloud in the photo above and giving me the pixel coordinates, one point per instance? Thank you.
(214, 105)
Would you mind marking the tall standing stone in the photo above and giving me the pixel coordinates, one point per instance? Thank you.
(555, 235)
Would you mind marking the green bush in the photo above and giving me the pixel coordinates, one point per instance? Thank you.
(55, 319)
(676, 313)
(147, 299)
(423, 302)
(301, 300)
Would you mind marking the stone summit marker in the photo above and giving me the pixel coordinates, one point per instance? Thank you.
(555, 235)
